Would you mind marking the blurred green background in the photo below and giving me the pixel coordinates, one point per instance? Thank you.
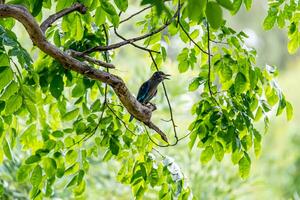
(274, 175)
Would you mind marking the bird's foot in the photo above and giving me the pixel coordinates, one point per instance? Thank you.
(151, 106)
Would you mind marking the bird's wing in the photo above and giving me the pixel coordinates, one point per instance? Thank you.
(152, 93)
(143, 92)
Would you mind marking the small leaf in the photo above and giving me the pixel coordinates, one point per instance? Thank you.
(23, 173)
(33, 159)
(219, 151)
(6, 75)
(71, 115)
(226, 4)
(194, 85)
(36, 176)
(10, 90)
(214, 14)
(244, 166)
(6, 149)
(122, 4)
(58, 134)
(196, 9)
(206, 155)
(56, 86)
(240, 83)
(13, 104)
(113, 146)
(71, 157)
(270, 20)
(248, 4)
(289, 111)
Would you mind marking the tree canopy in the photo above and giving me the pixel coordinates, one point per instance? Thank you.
(62, 102)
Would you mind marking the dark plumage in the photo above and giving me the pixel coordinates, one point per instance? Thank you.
(148, 89)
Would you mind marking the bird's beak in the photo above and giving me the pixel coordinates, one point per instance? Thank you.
(166, 76)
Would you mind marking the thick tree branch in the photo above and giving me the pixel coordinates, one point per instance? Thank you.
(142, 113)
(52, 18)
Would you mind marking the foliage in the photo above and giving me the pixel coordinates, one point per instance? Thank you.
(62, 120)
(285, 14)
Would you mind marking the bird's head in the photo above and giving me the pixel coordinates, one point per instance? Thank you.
(160, 76)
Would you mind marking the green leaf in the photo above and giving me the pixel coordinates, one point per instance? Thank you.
(244, 166)
(122, 4)
(13, 104)
(226, 4)
(214, 14)
(289, 111)
(196, 9)
(6, 149)
(23, 173)
(37, 7)
(71, 157)
(206, 155)
(258, 114)
(36, 176)
(281, 106)
(56, 86)
(113, 146)
(79, 28)
(270, 20)
(56, 38)
(236, 6)
(31, 108)
(248, 4)
(58, 134)
(293, 43)
(194, 85)
(4, 60)
(240, 83)
(33, 159)
(73, 169)
(61, 4)
(78, 90)
(219, 151)
(6, 75)
(10, 90)
(49, 166)
(226, 73)
(72, 182)
(193, 138)
(100, 16)
(71, 115)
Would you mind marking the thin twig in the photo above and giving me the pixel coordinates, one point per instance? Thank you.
(167, 98)
(130, 41)
(52, 18)
(135, 45)
(121, 120)
(209, 65)
(91, 60)
(159, 145)
(191, 39)
(135, 14)
(218, 42)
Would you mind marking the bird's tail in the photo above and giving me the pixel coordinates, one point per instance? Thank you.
(131, 118)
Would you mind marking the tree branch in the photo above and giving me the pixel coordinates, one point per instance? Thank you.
(52, 18)
(191, 39)
(135, 45)
(20, 13)
(91, 60)
(132, 40)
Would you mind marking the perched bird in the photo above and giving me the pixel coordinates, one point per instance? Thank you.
(148, 89)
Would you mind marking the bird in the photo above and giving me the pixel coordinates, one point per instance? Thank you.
(148, 89)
